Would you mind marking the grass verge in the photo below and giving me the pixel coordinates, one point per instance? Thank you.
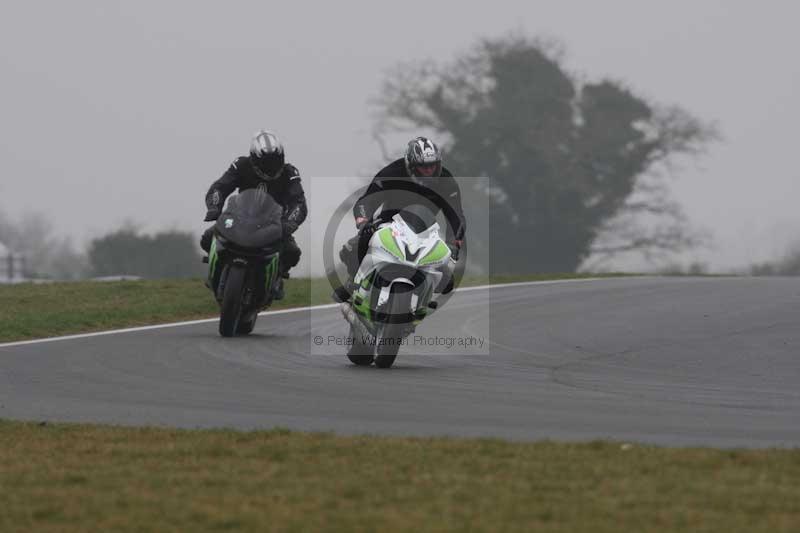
(101, 478)
(31, 311)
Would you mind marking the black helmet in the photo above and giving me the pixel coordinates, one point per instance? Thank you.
(423, 158)
(266, 155)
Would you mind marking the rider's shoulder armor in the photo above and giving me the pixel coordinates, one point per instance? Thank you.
(240, 164)
(290, 172)
(395, 169)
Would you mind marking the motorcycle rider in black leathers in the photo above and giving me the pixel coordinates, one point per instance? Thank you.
(265, 164)
(416, 178)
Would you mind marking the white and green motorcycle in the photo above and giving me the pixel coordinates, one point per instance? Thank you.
(396, 282)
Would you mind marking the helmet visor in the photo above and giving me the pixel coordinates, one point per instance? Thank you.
(428, 170)
(269, 165)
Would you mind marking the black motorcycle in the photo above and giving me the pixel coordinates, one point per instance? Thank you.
(244, 259)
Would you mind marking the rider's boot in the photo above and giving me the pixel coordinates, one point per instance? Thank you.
(449, 287)
(343, 293)
(277, 290)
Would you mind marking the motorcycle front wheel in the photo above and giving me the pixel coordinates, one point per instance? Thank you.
(231, 310)
(394, 329)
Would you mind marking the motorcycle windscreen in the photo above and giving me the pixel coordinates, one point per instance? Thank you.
(252, 219)
(416, 216)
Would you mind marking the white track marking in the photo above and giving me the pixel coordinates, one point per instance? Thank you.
(269, 313)
(156, 326)
(525, 283)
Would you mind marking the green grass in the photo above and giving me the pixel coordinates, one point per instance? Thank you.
(29, 311)
(100, 478)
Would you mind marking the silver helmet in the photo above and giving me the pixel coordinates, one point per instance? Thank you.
(266, 155)
(423, 158)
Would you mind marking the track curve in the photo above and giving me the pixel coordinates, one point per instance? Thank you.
(674, 361)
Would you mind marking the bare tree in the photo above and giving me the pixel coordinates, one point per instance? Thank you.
(46, 256)
(579, 168)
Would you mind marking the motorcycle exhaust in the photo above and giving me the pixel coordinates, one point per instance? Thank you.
(352, 318)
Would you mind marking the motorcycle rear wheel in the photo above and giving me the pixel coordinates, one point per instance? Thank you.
(247, 323)
(359, 353)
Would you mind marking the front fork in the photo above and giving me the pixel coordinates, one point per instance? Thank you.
(216, 269)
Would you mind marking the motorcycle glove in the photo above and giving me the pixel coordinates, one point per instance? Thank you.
(455, 250)
(289, 228)
(361, 222)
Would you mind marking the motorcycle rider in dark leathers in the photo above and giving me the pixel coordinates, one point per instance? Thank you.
(266, 163)
(416, 178)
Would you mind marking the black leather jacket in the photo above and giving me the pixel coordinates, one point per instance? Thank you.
(286, 189)
(394, 190)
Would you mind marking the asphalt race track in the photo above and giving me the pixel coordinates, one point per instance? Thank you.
(674, 361)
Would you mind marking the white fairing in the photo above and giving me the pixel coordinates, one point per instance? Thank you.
(413, 247)
(418, 244)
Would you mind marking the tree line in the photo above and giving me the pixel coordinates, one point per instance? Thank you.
(123, 252)
(578, 167)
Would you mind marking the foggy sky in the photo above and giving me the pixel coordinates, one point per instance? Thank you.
(116, 111)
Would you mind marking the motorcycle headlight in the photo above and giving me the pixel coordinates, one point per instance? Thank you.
(389, 243)
(437, 253)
